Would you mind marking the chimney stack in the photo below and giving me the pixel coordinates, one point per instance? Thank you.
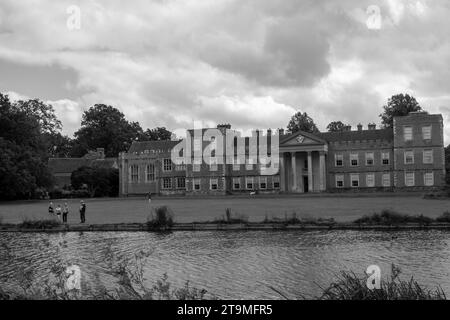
(281, 131)
(372, 126)
(348, 128)
(269, 132)
(360, 127)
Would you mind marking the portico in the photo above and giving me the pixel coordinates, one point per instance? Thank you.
(303, 163)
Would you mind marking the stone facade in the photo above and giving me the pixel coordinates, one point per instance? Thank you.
(409, 156)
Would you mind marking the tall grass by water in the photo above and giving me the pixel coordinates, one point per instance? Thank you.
(349, 286)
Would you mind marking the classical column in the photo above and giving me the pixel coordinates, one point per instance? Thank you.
(310, 174)
(322, 174)
(282, 173)
(294, 172)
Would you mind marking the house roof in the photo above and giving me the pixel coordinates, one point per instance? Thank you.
(358, 135)
(141, 146)
(68, 165)
(64, 165)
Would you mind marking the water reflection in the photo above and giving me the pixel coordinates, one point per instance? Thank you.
(237, 265)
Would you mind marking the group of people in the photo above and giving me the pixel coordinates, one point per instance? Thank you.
(64, 211)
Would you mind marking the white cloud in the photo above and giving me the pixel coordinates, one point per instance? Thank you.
(252, 63)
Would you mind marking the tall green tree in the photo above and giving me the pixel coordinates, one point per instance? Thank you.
(336, 126)
(398, 105)
(302, 122)
(106, 127)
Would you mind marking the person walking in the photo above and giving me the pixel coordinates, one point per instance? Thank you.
(82, 212)
(149, 196)
(51, 210)
(58, 212)
(65, 212)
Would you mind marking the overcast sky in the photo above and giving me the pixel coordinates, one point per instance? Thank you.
(251, 63)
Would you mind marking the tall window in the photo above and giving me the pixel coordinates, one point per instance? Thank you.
(181, 183)
(213, 165)
(134, 170)
(236, 167)
(249, 166)
(409, 157)
(167, 183)
(263, 183)
(167, 164)
(353, 159)
(276, 182)
(409, 178)
(339, 160)
(249, 183)
(180, 167)
(196, 166)
(354, 178)
(339, 181)
(196, 184)
(426, 132)
(370, 180)
(385, 157)
(150, 172)
(236, 183)
(428, 156)
(407, 133)
(369, 158)
(197, 144)
(214, 184)
(428, 178)
(386, 179)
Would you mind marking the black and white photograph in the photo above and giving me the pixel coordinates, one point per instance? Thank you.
(244, 151)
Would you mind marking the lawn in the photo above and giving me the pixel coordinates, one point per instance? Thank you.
(115, 210)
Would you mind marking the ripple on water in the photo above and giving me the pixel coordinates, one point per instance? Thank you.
(237, 265)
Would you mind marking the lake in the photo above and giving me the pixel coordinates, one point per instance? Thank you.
(234, 265)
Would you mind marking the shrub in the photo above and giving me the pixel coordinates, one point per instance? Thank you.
(39, 224)
(389, 217)
(162, 218)
(229, 218)
(351, 287)
(445, 217)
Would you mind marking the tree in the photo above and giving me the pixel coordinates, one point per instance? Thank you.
(398, 105)
(23, 152)
(302, 122)
(336, 126)
(104, 126)
(44, 114)
(158, 133)
(99, 181)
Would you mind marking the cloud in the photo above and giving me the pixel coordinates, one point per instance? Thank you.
(252, 63)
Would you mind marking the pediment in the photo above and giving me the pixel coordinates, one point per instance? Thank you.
(302, 138)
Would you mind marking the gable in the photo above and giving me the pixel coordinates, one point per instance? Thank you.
(302, 138)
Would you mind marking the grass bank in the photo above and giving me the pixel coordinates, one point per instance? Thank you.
(163, 219)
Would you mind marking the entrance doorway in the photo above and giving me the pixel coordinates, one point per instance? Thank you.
(305, 184)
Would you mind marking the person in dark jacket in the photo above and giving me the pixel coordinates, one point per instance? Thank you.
(65, 212)
(83, 212)
(51, 210)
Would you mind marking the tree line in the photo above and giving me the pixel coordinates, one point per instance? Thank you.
(30, 134)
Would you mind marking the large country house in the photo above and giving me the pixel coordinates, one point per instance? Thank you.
(409, 156)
